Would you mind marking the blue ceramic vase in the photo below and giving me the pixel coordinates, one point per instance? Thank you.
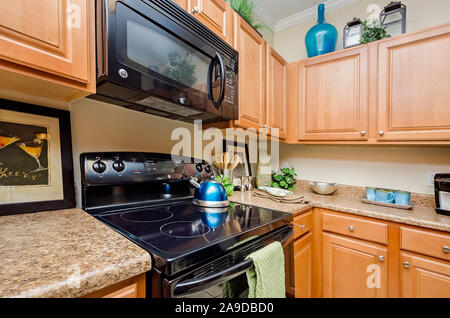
(322, 37)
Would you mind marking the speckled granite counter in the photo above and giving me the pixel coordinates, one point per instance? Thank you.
(65, 253)
(419, 215)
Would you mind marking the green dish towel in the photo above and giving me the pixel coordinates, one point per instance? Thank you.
(266, 278)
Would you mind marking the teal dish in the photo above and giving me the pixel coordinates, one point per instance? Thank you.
(402, 197)
(385, 196)
(322, 37)
(370, 194)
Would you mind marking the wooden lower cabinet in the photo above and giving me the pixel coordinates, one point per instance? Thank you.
(133, 287)
(303, 266)
(353, 268)
(424, 277)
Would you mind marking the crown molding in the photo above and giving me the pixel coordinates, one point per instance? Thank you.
(308, 14)
(265, 16)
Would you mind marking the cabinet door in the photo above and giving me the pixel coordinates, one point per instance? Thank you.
(333, 96)
(413, 86)
(424, 277)
(252, 75)
(353, 269)
(216, 15)
(303, 266)
(276, 105)
(182, 3)
(47, 35)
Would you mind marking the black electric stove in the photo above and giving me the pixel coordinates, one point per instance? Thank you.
(148, 198)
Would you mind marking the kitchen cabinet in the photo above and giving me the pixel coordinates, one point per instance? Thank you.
(215, 14)
(252, 75)
(276, 92)
(353, 268)
(413, 86)
(133, 287)
(182, 3)
(424, 277)
(333, 96)
(303, 266)
(47, 47)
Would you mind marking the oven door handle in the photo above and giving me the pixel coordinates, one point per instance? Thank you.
(194, 285)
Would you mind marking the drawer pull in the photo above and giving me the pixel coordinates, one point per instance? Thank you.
(381, 258)
(406, 265)
(351, 228)
(446, 249)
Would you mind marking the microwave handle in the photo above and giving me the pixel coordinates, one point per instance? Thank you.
(191, 286)
(218, 58)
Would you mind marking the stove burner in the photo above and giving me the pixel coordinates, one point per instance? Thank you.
(184, 229)
(147, 216)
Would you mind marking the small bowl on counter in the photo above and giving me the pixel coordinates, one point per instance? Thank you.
(324, 188)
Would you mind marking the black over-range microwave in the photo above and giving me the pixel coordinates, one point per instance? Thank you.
(152, 56)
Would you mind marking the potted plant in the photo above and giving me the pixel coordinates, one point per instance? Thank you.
(245, 9)
(373, 32)
(285, 179)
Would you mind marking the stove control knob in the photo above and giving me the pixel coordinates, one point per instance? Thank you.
(118, 165)
(99, 166)
(199, 167)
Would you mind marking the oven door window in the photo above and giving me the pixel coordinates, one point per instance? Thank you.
(161, 63)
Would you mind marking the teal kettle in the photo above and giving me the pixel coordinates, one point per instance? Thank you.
(322, 37)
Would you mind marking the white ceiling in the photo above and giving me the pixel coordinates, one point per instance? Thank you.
(281, 14)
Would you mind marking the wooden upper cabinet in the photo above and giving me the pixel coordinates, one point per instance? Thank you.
(252, 75)
(215, 14)
(424, 277)
(276, 84)
(182, 3)
(303, 266)
(352, 268)
(414, 86)
(333, 96)
(49, 37)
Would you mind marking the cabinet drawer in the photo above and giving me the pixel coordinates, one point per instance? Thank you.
(425, 242)
(355, 227)
(302, 224)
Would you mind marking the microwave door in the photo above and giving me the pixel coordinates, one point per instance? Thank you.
(161, 64)
(216, 81)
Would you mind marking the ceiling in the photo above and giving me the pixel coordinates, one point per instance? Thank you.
(279, 15)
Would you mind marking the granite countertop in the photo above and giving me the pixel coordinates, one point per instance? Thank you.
(65, 253)
(419, 215)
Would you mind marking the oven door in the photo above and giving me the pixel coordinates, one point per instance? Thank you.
(206, 280)
(151, 51)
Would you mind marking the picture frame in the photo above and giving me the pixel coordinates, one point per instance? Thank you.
(36, 163)
(242, 150)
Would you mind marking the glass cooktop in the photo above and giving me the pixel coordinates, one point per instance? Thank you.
(185, 234)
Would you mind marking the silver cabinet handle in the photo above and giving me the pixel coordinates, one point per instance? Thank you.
(303, 226)
(381, 133)
(381, 258)
(363, 132)
(351, 228)
(406, 265)
(196, 9)
(446, 249)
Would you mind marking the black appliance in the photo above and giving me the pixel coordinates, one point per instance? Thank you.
(153, 57)
(147, 197)
(442, 193)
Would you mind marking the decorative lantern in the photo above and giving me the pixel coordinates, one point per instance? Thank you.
(393, 16)
(353, 33)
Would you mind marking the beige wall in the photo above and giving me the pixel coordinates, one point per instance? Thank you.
(290, 43)
(397, 167)
(98, 127)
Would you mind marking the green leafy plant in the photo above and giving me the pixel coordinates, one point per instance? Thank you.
(373, 32)
(245, 9)
(285, 179)
(180, 68)
(227, 184)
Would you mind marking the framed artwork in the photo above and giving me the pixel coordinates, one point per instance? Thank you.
(36, 167)
(244, 168)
